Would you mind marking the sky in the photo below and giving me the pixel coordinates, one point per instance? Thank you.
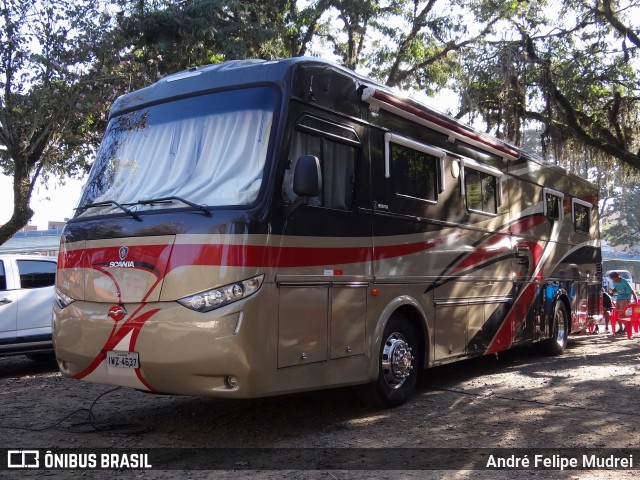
(53, 201)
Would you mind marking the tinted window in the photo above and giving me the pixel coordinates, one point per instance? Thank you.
(480, 191)
(581, 217)
(414, 172)
(337, 161)
(36, 273)
(552, 203)
(3, 277)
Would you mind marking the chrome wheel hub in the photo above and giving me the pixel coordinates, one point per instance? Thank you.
(560, 328)
(396, 360)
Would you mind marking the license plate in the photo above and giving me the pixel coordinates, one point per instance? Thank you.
(121, 359)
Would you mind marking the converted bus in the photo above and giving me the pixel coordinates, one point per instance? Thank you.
(255, 228)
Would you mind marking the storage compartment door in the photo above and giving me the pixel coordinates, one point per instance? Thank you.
(302, 324)
(348, 311)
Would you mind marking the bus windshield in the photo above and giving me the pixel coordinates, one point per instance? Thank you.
(209, 149)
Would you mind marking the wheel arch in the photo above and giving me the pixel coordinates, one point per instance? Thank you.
(415, 314)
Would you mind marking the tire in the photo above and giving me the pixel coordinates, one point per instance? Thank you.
(556, 344)
(398, 361)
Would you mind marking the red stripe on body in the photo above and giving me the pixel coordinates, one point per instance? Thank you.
(287, 257)
(489, 248)
(503, 339)
(235, 255)
(133, 324)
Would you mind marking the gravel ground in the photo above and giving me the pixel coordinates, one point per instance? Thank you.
(587, 398)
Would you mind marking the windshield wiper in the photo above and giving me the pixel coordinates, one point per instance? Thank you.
(133, 214)
(202, 208)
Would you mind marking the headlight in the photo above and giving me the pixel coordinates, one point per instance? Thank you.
(62, 300)
(221, 296)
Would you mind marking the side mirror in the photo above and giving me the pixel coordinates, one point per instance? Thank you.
(307, 182)
(307, 177)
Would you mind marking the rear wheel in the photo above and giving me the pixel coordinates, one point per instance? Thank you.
(556, 344)
(398, 365)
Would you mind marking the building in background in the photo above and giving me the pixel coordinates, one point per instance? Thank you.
(30, 240)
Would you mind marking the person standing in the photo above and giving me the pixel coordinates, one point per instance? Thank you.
(624, 295)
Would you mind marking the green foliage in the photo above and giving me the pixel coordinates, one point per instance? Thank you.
(52, 106)
(622, 225)
(177, 35)
(576, 74)
(567, 69)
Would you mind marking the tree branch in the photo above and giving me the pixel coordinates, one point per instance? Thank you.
(604, 141)
(449, 47)
(608, 14)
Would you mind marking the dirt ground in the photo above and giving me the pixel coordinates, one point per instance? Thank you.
(587, 398)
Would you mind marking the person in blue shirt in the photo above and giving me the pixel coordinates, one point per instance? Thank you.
(624, 295)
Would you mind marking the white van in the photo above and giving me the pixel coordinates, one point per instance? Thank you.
(26, 297)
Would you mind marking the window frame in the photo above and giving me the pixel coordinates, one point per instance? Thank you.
(301, 126)
(550, 191)
(487, 170)
(583, 203)
(440, 155)
(324, 136)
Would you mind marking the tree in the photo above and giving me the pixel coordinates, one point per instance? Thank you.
(412, 45)
(622, 216)
(517, 66)
(52, 106)
(574, 71)
(420, 47)
(176, 35)
(408, 44)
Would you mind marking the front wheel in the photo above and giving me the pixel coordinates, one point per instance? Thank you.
(556, 344)
(398, 362)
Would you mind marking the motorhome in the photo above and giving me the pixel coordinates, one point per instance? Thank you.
(255, 228)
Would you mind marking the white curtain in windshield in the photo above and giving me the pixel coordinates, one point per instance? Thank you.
(213, 160)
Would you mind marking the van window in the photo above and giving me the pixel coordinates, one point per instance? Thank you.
(36, 273)
(3, 277)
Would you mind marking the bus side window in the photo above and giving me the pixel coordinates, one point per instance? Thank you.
(414, 173)
(553, 204)
(480, 191)
(337, 162)
(581, 216)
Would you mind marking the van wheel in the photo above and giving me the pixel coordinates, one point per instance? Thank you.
(556, 344)
(398, 361)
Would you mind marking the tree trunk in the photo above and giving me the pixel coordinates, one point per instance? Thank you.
(22, 213)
